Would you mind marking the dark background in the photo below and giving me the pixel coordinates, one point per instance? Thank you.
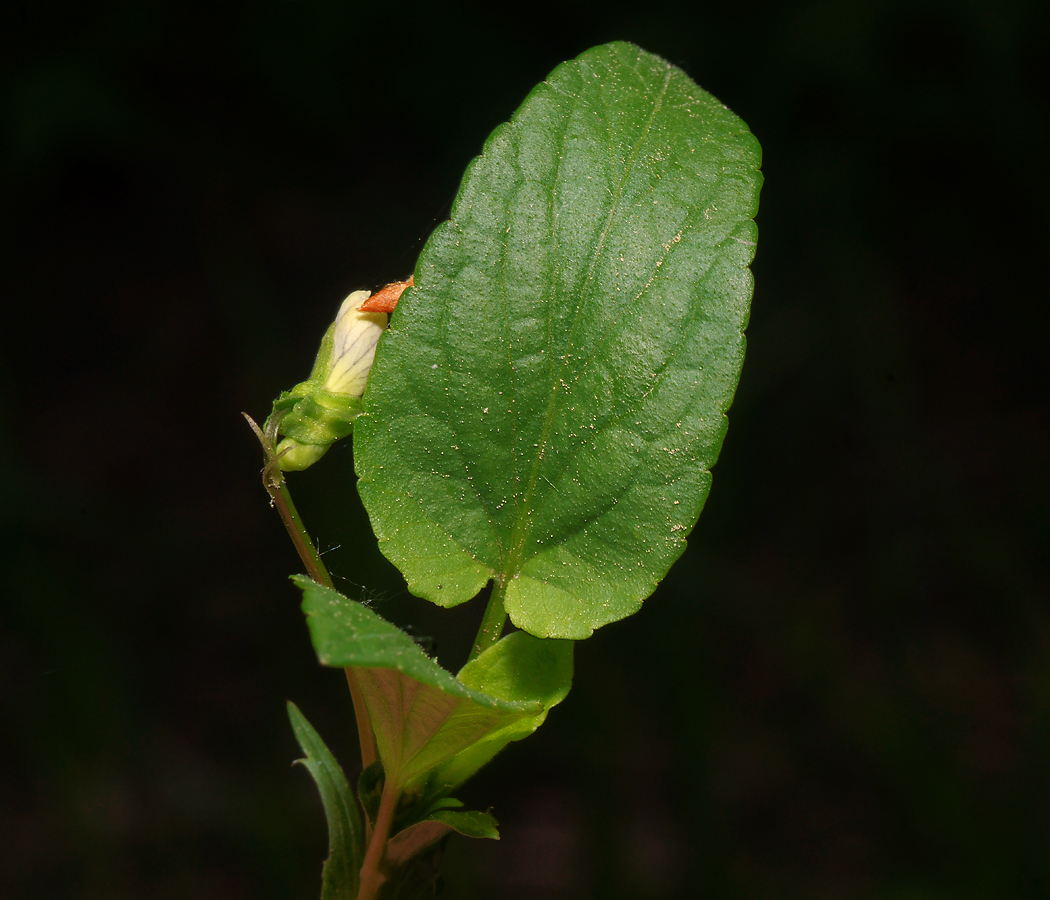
(842, 689)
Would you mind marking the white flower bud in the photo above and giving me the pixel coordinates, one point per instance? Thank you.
(353, 346)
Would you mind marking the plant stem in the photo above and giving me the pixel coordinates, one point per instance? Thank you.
(276, 486)
(491, 623)
(372, 879)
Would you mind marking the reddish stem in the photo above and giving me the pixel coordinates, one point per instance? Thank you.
(372, 877)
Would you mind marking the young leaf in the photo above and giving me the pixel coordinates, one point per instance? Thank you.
(517, 667)
(469, 823)
(339, 877)
(550, 398)
(417, 838)
(424, 718)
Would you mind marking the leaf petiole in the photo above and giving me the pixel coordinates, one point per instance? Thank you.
(491, 623)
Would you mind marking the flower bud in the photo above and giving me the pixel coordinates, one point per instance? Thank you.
(321, 410)
(353, 346)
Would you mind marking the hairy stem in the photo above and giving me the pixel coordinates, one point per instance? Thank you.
(276, 486)
(372, 876)
(491, 623)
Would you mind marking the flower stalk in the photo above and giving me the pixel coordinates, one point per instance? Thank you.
(274, 482)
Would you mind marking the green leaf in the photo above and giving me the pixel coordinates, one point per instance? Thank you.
(445, 803)
(424, 718)
(469, 823)
(418, 837)
(517, 667)
(522, 668)
(550, 398)
(339, 877)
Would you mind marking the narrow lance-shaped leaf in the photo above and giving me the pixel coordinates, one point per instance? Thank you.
(550, 398)
(340, 876)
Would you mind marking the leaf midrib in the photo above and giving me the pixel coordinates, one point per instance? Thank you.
(523, 523)
(659, 376)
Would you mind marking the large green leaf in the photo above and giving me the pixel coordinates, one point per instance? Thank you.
(432, 729)
(340, 875)
(552, 392)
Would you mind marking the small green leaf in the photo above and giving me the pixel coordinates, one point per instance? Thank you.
(415, 839)
(516, 667)
(547, 405)
(434, 730)
(445, 803)
(469, 823)
(346, 633)
(522, 668)
(339, 877)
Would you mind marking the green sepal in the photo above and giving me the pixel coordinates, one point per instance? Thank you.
(433, 730)
(323, 360)
(313, 418)
(313, 385)
(340, 875)
(321, 417)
